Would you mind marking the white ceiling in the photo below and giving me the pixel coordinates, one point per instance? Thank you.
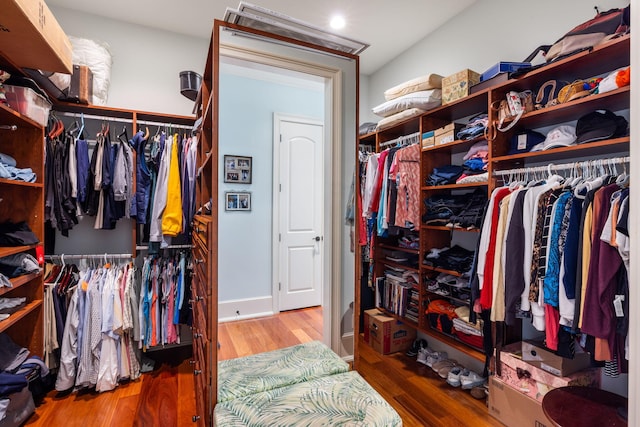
(390, 27)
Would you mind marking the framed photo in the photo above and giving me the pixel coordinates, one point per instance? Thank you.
(237, 169)
(237, 201)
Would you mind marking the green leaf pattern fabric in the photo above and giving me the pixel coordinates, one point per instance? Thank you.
(337, 400)
(279, 368)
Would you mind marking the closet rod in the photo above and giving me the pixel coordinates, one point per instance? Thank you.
(9, 127)
(402, 139)
(565, 166)
(150, 123)
(93, 117)
(144, 248)
(92, 256)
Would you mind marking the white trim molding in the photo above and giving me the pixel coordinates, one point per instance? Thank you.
(242, 309)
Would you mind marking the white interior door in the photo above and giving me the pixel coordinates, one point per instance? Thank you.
(298, 172)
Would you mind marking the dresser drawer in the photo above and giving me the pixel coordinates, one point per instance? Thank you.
(201, 229)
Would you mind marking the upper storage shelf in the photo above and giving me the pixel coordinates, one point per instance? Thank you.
(32, 37)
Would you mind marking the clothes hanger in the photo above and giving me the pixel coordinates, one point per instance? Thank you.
(80, 132)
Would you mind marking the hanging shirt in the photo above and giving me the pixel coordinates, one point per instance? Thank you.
(408, 201)
(160, 193)
(172, 214)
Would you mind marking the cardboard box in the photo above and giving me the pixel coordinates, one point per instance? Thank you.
(502, 67)
(428, 139)
(535, 354)
(447, 133)
(535, 382)
(513, 408)
(31, 37)
(386, 334)
(457, 85)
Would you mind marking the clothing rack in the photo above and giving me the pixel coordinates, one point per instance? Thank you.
(171, 125)
(121, 120)
(412, 138)
(62, 257)
(565, 166)
(144, 248)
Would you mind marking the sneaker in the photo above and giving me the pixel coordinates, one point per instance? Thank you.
(423, 353)
(471, 379)
(436, 356)
(453, 378)
(416, 346)
(481, 392)
(443, 367)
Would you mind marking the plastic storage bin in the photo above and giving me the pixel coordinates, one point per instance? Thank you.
(28, 103)
(190, 82)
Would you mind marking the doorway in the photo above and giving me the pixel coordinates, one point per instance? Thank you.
(333, 276)
(298, 212)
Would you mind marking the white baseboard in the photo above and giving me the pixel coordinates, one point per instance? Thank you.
(243, 309)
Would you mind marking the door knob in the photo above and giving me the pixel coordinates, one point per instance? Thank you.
(317, 238)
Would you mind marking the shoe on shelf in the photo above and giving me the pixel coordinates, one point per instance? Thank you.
(453, 378)
(436, 356)
(416, 346)
(471, 379)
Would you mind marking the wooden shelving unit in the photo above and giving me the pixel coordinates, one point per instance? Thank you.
(599, 61)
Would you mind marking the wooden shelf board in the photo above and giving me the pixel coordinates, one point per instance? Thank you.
(571, 152)
(449, 229)
(454, 186)
(455, 146)
(18, 315)
(398, 265)
(442, 270)
(10, 250)
(21, 183)
(19, 281)
(398, 248)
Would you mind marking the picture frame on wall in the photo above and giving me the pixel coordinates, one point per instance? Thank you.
(237, 169)
(237, 201)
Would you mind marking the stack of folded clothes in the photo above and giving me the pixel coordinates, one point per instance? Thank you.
(474, 128)
(455, 258)
(456, 210)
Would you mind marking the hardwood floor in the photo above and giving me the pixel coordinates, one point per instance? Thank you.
(165, 397)
(419, 395)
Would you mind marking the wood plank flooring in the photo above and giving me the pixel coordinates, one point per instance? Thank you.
(165, 397)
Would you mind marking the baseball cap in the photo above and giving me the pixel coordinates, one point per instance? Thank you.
(524, 141)
(600, 124)
(560, 136)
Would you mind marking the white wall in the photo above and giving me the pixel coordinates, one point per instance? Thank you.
(146, 61)
(487, 32)
(246, 128)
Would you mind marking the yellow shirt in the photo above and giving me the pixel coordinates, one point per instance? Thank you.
(172, 215)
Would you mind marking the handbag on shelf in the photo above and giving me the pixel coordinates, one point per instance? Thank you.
(512, 108)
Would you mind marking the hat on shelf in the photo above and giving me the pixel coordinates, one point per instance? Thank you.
(560, 136)
(600, 124)
(524, 141)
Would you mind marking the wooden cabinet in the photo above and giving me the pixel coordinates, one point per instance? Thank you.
(21, 201)
(598, 62)
(205, 243)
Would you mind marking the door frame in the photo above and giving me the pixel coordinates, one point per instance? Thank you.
(275, 228)
(333, 177)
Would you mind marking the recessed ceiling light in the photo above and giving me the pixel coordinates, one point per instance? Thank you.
(337, 22)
